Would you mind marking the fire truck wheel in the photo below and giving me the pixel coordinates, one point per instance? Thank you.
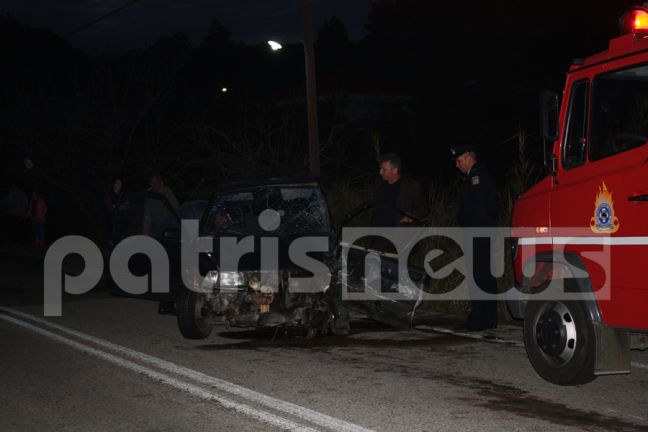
(559, 341)
(193, 315)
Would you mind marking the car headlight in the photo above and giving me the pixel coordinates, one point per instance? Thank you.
(210, 280)
(230, 279)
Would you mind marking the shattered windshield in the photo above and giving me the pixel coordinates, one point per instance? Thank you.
(301, 210)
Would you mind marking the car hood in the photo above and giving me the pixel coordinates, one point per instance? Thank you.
(269, 252)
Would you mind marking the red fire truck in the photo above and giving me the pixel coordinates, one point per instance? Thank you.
(580, 236)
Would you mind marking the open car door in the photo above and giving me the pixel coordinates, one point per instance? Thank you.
(370, 275)
(145, 214)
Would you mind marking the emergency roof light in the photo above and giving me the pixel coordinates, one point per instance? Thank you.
(635, 21)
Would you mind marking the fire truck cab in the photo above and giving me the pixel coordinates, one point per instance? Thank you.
(580, 236)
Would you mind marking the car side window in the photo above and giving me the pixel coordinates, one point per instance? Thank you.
(575, 142)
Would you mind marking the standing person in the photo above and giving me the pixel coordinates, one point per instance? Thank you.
(157, 185)
(155, 214)
(478, 208)
(399, 199)
(155, 209)
(112, 202)
(17, 204)
(37, 213)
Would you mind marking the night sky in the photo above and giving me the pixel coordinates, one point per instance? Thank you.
(139, 25)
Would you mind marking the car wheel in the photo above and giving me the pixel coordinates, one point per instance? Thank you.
(559, 340)
(193, 315)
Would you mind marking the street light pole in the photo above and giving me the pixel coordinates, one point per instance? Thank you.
(311, 90)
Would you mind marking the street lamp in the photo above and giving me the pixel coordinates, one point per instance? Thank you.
(311, 89)
(274, 45)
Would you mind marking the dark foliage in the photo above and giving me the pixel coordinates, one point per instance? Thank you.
(428, 74)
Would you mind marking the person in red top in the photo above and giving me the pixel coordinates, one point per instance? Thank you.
(37, 212)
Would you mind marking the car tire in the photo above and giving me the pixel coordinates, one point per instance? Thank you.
(560, 341)
(193, 320)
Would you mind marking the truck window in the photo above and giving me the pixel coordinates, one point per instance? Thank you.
(576, 137)
(619, 118)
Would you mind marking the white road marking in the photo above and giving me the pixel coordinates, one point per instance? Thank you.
(194, 390)
(312, 416)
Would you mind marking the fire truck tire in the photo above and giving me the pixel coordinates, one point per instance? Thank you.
(560, 342)
(192, 313)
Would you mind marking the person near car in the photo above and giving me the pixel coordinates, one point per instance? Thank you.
(478, 208)
(398, 199)
(156, 184)
(17, 220)
(37, 213)
(157, 210)
(112, 201)
(155, 213)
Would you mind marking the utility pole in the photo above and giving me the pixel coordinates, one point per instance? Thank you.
(311, 90)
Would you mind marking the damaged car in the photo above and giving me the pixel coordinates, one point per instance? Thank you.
(269, 256)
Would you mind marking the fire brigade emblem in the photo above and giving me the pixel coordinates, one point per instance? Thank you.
(604, 221)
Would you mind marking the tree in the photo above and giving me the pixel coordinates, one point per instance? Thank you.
(217, 36)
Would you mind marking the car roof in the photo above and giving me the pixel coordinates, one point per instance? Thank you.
(275, 181)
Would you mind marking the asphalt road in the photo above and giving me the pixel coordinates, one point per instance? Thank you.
(112, 363)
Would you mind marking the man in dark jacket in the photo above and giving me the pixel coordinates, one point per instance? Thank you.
(478, 208)
(399, 199)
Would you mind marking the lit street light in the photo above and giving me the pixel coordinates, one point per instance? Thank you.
(274, 45)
